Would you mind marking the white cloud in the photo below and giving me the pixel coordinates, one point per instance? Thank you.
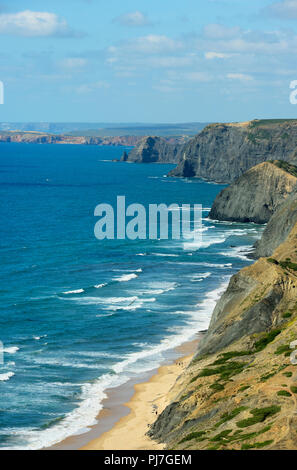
(33, 23)
(197, 76)
(216, 55)
(134, 18)
(91, 87)
(286, 9)
(199, 58)
(73, 62)
(219, 31)
(240, 76)
(150, 44)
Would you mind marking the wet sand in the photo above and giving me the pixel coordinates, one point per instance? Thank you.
(130, 409)
(149, 400)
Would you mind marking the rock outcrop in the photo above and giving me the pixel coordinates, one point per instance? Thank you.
(256, 195)
(223, 152)
(240, 391)
(153, 150)
(278, 227)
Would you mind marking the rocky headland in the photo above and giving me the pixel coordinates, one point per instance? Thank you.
(256, 195)
(223, 152)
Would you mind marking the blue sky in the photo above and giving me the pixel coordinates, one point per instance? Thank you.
(147, 60)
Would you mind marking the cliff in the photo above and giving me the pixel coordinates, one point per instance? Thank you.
(240, 391)
(223, 152)
(44, 138)
(256, 195)
(152, 150)
(278, 227)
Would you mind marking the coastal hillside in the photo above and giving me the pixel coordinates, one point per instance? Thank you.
(223, 152)
(240, 391)
(152, 150)
(44, 138)
(256, 195)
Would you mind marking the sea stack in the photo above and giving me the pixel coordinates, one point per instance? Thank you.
(152, 150)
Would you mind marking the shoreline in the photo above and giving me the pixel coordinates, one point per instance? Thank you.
(133, 406)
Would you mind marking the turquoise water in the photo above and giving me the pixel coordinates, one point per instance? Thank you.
(79, 315)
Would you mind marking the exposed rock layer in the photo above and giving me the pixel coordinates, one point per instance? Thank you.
(153, 150)
(223, 152)
(278, 227)
(256, 195)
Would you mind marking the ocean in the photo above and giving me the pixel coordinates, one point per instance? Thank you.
(79, 315)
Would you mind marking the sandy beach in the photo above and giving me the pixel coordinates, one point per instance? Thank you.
(149, 400)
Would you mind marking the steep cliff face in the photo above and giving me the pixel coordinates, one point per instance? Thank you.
(153, 150)
(240, 391)
(278, 227)
(223, 152)
(256, 195)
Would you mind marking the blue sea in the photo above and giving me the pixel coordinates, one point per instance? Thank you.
(79, 315)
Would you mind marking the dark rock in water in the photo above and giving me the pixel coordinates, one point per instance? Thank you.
(256, 195)
(223, 152)
(124, 157)
(152, 150)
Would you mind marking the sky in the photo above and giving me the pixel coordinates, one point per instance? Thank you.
(147, 60)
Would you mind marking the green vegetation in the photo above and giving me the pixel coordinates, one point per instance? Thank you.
(266, 339)
(267, 376)
(223, 358)
(283, 393)
(272, 261)
(292, 169)
(243, 388)
(274, 372)
(230, 415)
(225, 371)
(193, 435)
(221, 436)
(259, 415)
(283, 349)
(287, 315)
(293, 389)
(270, 122)
(288, 374)
(224, 437)
(256, 445)
(288, 265)
(217, 387)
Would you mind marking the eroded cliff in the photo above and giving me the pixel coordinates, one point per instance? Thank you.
(256, 195)
(223, 152)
